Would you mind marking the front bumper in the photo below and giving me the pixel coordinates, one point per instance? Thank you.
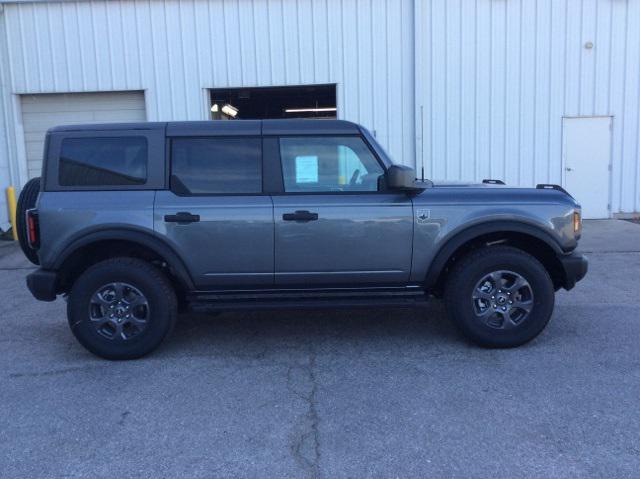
(42, 284)
(575, 266)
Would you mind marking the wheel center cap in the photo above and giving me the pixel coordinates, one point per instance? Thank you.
(501, 299)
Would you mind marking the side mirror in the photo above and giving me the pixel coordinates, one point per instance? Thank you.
(403, 178)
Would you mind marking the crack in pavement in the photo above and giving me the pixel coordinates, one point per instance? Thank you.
(53, 372)
(305, 446)
(123, 417)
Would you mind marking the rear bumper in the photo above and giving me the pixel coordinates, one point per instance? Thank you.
(42, 284)
(575, 268)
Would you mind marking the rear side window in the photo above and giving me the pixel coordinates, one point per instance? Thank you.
(216, 165)
(103, 161)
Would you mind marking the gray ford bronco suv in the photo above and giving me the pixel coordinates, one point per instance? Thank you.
(132, 222)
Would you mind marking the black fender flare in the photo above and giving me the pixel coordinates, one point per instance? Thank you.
(141, 237)
(459, 238)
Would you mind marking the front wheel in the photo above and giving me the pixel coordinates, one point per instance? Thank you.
(121, 308)
(499, 296)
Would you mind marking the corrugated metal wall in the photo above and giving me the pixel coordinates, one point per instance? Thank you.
(495, 78)
(176, 49)
(9, 157)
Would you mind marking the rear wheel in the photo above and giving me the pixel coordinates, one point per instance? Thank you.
(26, 201)
(499, 296)
(122, 308)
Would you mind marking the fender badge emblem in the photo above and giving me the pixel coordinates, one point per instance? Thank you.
(422, 216)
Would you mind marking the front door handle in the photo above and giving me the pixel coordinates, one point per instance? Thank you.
(182, 217)
(300, 215)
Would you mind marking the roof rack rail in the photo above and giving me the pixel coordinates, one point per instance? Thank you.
(493, 182)
(550, 186)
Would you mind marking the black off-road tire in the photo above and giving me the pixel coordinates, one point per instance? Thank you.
(26, 201)
(153, 285)
(471, 269)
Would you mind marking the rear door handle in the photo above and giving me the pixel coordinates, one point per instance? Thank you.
(182, 217)
(300, 215)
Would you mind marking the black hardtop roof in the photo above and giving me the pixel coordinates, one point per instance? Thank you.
(143, 125)
(227, 128)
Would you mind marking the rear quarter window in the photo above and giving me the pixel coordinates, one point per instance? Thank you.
(95, 162)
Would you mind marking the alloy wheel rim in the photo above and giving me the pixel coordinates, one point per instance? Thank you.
(119, 311)
(502, 299)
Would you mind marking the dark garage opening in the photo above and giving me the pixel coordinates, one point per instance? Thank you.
(308, 101)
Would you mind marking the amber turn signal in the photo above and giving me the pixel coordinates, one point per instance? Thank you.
(577, 222)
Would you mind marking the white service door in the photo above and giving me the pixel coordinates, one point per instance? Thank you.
(42, 111)
(586, 155)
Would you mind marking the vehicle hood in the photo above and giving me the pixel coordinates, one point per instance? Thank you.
(461, 191)
(465, 184)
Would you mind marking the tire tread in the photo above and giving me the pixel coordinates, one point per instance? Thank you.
(26, 201)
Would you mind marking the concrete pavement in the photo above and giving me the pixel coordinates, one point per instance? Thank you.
(332, 394)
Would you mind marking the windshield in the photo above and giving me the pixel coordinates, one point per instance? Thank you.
(376, 146)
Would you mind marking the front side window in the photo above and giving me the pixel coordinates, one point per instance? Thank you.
(103, 161)
(327, 164)
(216, 165)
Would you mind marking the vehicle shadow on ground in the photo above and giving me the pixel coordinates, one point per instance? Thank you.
(292, 329)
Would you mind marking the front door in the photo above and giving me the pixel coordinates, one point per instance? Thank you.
(586, 153)
(335, 225)
(215, 216)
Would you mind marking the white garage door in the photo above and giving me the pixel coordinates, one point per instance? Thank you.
(41, 112)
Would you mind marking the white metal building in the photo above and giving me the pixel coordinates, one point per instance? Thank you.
(527, 91)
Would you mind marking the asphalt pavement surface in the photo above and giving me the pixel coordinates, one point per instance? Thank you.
(367, 393)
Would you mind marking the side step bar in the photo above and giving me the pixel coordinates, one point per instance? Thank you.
(208, 302)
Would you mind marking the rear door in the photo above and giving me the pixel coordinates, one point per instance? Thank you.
(335, 223)
(215, 214)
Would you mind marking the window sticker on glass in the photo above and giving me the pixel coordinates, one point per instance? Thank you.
(306, 169)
